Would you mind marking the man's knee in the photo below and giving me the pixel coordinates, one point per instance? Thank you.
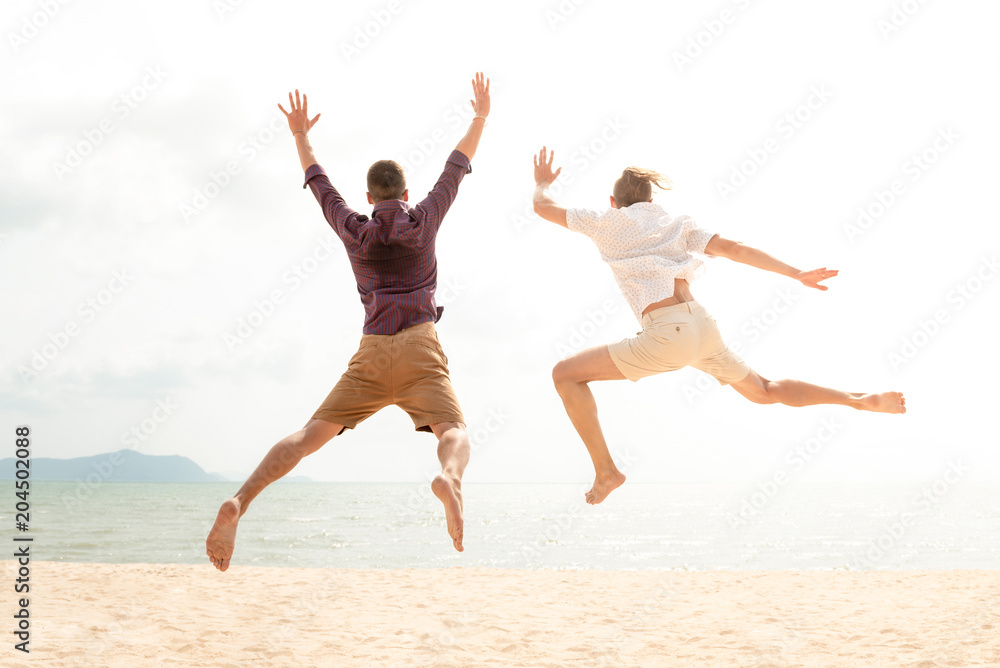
(756, 390)
(449, 429)
(316, 434)
(562, 374)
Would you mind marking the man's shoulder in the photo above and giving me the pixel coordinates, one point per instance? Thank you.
(653, 213)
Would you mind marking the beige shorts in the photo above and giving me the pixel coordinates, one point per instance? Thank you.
(674, 337)
(407, 369)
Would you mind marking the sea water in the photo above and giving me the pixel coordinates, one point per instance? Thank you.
(639, 527)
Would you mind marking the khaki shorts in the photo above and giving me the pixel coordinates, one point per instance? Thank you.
(674, 337)
(407, 369)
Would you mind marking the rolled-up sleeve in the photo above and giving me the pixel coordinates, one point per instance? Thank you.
(695, 238)
(314, 170)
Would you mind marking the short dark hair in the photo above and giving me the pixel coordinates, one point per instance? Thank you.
(636, 185)
(386, 180)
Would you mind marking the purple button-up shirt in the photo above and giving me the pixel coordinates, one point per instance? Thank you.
(392, 253)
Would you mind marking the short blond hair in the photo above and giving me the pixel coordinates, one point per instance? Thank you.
(636, 185)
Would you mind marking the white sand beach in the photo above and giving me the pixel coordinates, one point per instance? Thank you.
(139, 614)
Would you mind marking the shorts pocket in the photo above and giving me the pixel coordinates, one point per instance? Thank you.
(669, 331)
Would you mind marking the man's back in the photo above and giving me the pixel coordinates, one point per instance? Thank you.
(393, 252)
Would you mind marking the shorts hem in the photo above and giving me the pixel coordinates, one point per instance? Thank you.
(424, 422)
(328, 417)
(621, 365)
(730, 382)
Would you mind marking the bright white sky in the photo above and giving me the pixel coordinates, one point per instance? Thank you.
(606, 87)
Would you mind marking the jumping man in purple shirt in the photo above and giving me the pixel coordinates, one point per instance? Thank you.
(399, 361)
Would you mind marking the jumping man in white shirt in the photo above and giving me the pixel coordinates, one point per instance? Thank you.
(649, 252)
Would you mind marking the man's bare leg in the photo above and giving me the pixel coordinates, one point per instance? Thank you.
(798, 393)
(453, 452)
(281, 459)
(571, 376)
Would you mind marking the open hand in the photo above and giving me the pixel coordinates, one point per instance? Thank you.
(298, 117)
(481, 89)
(543, 167)
(811, 278)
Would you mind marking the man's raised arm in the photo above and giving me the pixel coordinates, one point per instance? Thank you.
(341, 217)
(481, 106)
(442, 195)
(299, 124)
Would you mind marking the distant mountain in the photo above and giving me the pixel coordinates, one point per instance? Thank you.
(121, 466)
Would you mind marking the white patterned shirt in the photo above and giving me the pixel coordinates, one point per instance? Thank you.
(646, 248)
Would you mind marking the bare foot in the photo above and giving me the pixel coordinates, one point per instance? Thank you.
(884, 402)
(449, 490)
(222, 538)
(604, 485)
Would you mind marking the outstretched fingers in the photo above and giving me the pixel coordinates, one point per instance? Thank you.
(552, 159)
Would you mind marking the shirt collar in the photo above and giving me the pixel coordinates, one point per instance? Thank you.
(389, 206)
